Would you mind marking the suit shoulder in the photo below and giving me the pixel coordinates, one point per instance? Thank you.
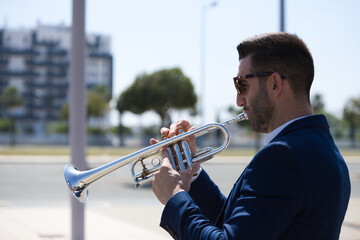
(275, 157)
(276, 149)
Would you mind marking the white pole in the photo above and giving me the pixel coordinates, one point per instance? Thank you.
(77, 108)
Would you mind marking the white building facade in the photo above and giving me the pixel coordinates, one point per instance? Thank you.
(37, 63)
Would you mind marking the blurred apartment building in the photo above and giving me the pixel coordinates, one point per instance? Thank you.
(37, 63)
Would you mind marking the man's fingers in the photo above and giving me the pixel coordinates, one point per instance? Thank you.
(153, 141)
(185, 124)
(193, 169)
(164, 131)
(173, 130)
(166, 162)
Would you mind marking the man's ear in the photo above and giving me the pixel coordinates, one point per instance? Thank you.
(276, 84)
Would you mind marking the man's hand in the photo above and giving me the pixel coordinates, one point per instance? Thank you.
(167, 182)
(173, 131)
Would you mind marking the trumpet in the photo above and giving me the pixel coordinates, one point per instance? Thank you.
(79, 181)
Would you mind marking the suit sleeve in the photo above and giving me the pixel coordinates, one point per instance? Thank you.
(212, 204)
(264, 202)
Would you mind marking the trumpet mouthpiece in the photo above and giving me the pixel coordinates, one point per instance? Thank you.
(242, 116)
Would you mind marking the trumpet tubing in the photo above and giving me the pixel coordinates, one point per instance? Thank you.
(79, 181)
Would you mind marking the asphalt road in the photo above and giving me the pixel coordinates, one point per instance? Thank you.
(25, 182)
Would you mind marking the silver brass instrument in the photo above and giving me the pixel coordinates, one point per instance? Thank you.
(79, 181)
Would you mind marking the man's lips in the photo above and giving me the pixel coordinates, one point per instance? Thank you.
(247, 113)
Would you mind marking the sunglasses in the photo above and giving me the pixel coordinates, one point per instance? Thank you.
(240, 87)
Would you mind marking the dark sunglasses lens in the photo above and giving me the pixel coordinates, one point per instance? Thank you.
(236, 82)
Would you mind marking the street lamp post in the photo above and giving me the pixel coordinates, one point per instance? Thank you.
(282, 15)
(202, 60)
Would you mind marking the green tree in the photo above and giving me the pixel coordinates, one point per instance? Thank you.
(6, 125)
(121, 107)
(62, 126)
(318, 104)
(11, 100)
(103, 91)
(336, 124)
(352, 117)
(97, 103)
(64, 112)
(160, 91)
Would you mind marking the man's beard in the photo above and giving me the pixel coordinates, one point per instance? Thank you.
(261, 110)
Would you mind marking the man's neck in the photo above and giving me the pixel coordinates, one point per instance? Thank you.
(289, 112)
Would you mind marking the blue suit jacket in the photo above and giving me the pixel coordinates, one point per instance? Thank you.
(296, 187)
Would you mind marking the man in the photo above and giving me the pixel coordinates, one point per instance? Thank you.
(296, 187)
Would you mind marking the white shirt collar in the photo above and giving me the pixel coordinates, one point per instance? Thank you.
(269, 137)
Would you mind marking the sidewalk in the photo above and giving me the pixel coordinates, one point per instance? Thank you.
(42, 223)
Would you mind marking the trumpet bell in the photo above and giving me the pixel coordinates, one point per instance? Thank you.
(73, 180)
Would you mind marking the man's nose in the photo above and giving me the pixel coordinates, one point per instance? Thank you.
(240, 100)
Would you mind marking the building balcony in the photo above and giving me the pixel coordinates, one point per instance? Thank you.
(59, 52)
(17, 73)
(47, 63)
(39, 85)
(61, 84)
(48, 43)
(42, 107)
(100, 55)
(34, 106)
(56, 74)
(25, 116)
(59, 95)
(57, 85)
(15, 51)
(51, 117)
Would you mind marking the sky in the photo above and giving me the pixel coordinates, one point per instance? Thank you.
(147, 36)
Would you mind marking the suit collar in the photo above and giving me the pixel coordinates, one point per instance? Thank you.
(310, 121)
(270, 136)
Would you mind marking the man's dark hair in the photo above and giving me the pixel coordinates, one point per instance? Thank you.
(284, 53)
